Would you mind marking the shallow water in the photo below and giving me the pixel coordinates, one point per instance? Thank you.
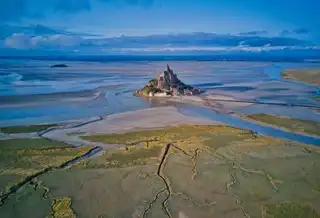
(32, 92)
(234, 88)
(237, 122)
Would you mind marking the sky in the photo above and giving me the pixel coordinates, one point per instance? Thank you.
(151, 26)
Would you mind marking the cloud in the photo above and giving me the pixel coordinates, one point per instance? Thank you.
(22, 41)
(254, 33)
(194, 42)
(8, 30)
(14, 10)
(298, 31)
(18, 41)
(198, 39)
(301, 31)
(214, 49)
(37, 30)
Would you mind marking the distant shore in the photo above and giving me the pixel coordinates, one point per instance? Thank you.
(174, 57)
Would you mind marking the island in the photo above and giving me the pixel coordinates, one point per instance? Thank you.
(303, 75)
(167, 84)
(59, 66)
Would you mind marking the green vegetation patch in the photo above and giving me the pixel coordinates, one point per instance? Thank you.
(121, 158)
(27, 202)
(61, 208)
(316, 98)
(20, 158)
(75, 133)
(209, 171)
(293, 124)
(171, 134)
(290, 210)
(23, 161)
(143, 145)
(153, 82)
(26, 129)
(27, 143)
(129, 138)
(147, 89)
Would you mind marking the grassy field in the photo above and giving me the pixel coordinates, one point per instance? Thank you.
(29, 143)
(303, 75)
(21, 158)
(30, 201)
(292, 124)
(185, 171)
(26, 129)
(288, 210)
(61, 207)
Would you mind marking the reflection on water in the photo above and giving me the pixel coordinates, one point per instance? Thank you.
(275, 89)
(205, 85)
(234, 88)
(294, 99)
(53, 111)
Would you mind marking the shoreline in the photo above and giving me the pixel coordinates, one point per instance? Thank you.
(274, 126)
(148, 119)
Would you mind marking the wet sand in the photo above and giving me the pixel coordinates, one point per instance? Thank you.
(123, 122)
(59, 97)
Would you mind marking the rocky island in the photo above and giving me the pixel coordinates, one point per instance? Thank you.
(167, 84)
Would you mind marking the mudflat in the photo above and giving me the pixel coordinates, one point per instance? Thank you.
(304, 75)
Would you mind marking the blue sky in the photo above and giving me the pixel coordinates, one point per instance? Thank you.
(96, 26)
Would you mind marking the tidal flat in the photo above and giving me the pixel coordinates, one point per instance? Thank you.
(116, 155)
(178, 171)
(288, 123)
